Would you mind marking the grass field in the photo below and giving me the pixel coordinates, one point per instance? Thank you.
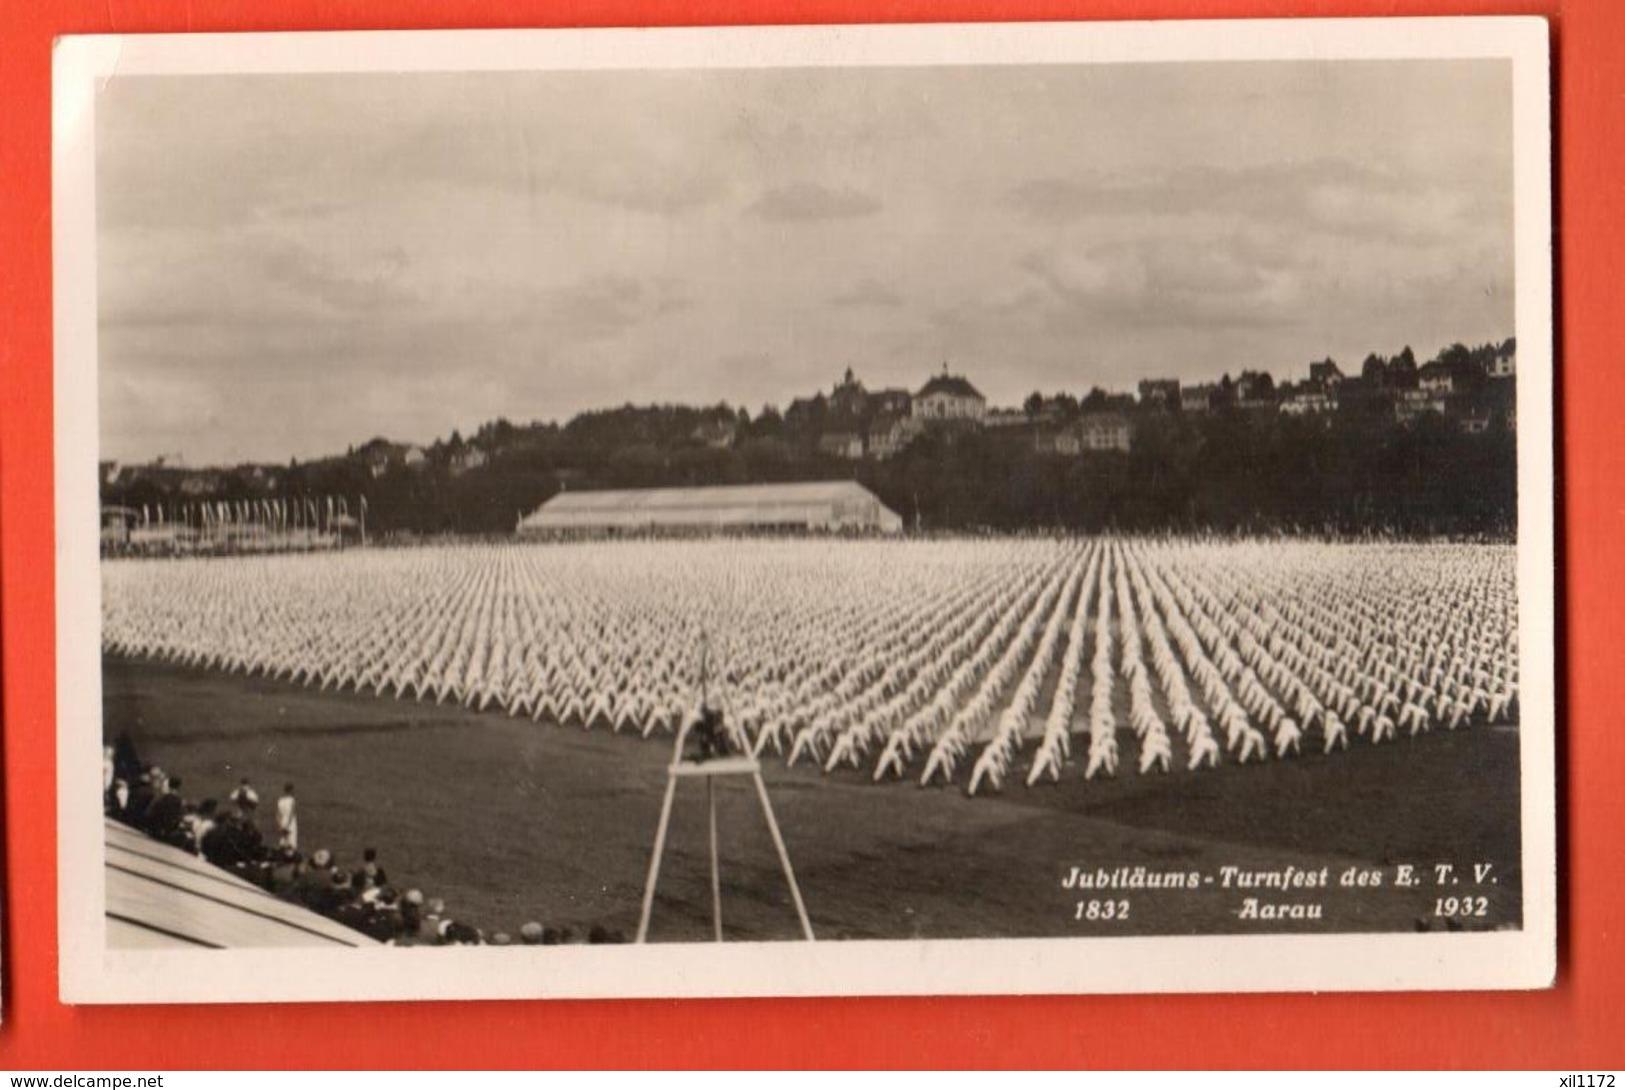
(511, 820)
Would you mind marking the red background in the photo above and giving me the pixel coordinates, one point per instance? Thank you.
(1577, 1025)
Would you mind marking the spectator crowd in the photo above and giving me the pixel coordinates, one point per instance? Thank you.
(360, 897)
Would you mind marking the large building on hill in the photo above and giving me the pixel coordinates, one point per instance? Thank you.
(818, 506)
(949, 397)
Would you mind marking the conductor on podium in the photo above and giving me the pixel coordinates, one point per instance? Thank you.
(707, 735)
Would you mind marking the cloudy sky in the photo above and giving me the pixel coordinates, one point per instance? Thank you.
(291, 264)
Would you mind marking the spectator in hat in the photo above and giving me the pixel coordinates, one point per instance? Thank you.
(310, 887)
(352, 913)
(167, 812)
(412, 914)
(457, 933)
(383, 917)
(232, 841)
(200, 826)
(285, 866)
(433, 917)
(244, 797)
(531, 934)
(369, 867)
(142, 796)
(126, 761)
(335, 895)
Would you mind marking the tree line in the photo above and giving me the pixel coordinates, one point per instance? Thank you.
(1350, 473)
(1353, 472)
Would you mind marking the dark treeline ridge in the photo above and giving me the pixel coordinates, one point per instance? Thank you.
(1356, 471)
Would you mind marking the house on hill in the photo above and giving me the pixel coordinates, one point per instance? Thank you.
(1159, 393)
(841, 444)
(806, 412)
(1435, 378)
(1325, 374)
(1504, 364)
(1198, 399)
(887, 436)
(1105, 431)
(949, 397)
(1005, 418)
(380, 456)
(848, 407)
(1060, 442)
(1255, 390)
(1309, 399)
(718, 434)
(849, 398)
(376, 455)
(467, 458)
(892, 401)
(1412, 405)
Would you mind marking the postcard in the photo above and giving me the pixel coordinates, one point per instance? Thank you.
(805, 511)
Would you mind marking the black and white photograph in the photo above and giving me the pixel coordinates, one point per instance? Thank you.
(805, 511)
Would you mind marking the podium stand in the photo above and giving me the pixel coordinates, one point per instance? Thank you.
(710, 770)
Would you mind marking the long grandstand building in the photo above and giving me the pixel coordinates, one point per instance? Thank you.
(817, 506)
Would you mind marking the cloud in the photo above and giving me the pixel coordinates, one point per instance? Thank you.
(738, 366)
(786, 127)
(664, 197)
(809, 201)
(248, 278)
(362, 282)
(867, 292)
(1053, 200)
(601, 307)
(325, 249)
(1327, 195)
(1169, 281)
